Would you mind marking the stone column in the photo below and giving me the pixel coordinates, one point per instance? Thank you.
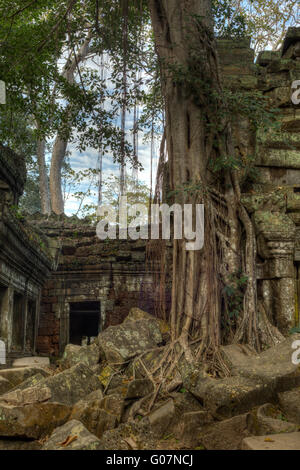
(284, 303)
(6, 317)
(276, 234)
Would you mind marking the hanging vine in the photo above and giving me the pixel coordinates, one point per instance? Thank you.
(100, 157)
(124, 97)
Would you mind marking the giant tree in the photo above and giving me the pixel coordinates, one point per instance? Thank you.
(198, 131)
(199, 140)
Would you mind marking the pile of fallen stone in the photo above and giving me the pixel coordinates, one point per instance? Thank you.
(101, 397)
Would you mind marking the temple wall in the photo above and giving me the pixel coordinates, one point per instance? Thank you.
(112, 274)
(272, 194)
(24, 265)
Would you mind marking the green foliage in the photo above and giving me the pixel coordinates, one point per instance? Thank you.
(137, 192)
(230, 22)
(188, 188)
(17, 213)
(30, 201)
(225, 162)
(265, 21)
(281, 417)
(268, 20)
(36, 39)
(234, 296)
(255, 106)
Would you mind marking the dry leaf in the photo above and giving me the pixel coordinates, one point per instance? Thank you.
(68, 441)
(269, 440)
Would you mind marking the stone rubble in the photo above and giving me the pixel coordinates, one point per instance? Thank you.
(72, 436)
(99, 404)
(290, 441)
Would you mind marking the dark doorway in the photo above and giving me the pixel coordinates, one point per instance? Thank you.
(18, 323)
(84, 321)
(30, 327)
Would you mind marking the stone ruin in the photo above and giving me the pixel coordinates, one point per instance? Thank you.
(272, 194)
(26, 261)
(97, 399)
(95, 284)
(45, 304)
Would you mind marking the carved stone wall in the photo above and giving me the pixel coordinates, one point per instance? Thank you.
(272, 195)
(112, 273)
(25, 262)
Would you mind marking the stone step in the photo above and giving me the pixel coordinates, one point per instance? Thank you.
(283, 441)
(31, 361)
(255, 379)
(17, 375)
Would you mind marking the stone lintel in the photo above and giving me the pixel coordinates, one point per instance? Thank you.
(281, 158)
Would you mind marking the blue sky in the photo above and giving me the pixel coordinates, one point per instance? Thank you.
(89, 158)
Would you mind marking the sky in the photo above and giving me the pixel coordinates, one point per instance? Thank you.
(89, 158)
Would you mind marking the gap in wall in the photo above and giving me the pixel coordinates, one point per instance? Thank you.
(84, 322)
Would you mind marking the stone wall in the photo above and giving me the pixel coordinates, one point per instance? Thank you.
(25, 262)
(276, 212)
(112, 273)
(272, 195)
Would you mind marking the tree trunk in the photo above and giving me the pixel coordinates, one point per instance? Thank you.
(198, 133)
(43, 178)
(58, 155)
(60, 144)
(176, 33)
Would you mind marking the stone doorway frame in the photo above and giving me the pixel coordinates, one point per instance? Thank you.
(75, 313)
(6, 319)
(64, 316)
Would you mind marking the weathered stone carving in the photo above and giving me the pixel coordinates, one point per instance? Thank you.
(25, 262)
(113, 274)
(273, 196)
